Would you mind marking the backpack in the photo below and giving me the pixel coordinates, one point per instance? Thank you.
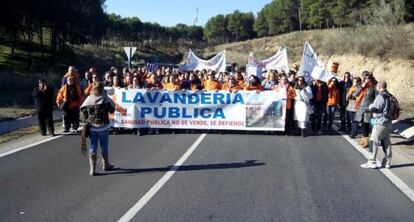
(394, 111)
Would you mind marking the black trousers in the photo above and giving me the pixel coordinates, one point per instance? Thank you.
(366, 129)
(316, 118)
(345, 119)
(289, 122)
(71, 118)
(46, 119)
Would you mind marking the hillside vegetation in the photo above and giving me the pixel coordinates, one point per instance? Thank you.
(388, 52)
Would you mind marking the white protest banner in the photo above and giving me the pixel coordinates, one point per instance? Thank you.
(309, 61)
(254, 71)
(217, 63)
(244, 110)
(321, 74)
(279, 62)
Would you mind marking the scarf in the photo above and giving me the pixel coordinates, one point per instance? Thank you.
(72, 94)
(362, 95)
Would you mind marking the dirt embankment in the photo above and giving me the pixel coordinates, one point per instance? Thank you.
(344, 46)
(397, 72)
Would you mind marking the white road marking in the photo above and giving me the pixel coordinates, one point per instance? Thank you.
(32, 145)
(147, 197)
(387, 172)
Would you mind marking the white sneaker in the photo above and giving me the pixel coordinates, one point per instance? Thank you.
(369, 165)
(385, 163)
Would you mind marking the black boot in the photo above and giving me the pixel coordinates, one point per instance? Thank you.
(303, 132)
(105, 163)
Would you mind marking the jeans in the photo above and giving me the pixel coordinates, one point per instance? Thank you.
(101, 136)
(331, 112)
(351, 115)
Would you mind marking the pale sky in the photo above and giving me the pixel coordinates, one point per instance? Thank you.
(170, 13)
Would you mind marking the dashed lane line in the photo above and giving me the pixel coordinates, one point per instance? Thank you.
(147, 197)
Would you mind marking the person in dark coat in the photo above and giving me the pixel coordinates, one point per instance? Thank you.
(43, 97)
(320, 101)
(344, 86)
(365, 96)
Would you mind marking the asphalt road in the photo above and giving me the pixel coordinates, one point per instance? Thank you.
(230, 177)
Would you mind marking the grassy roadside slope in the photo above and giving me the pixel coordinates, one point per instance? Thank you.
(17, 81)
(389, 53)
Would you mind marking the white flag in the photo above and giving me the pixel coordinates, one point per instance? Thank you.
(217, 63)
(321, 74)
(278, 62)
(310, 60)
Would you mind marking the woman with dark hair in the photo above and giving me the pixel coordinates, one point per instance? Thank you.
(253, 84)
(365, 96)
(117, 82)
(350, 108)
(137, 83)
(302, 104)
(333, 100)
(195, 82)
(344, 87)
(154, 84)
(232, 85)
(285, 85)
(240, 79)
(95, 110)
(184, 81)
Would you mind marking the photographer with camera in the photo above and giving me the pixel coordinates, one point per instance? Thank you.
(365, 96)
(43, 96)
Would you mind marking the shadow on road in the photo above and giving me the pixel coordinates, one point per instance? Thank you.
(218, 166)
(402, 165)
(405, 142)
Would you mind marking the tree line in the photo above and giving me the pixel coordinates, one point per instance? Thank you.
(282, 16)
(47, 26)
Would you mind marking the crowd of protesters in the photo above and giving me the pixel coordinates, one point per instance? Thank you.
(310, 106)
